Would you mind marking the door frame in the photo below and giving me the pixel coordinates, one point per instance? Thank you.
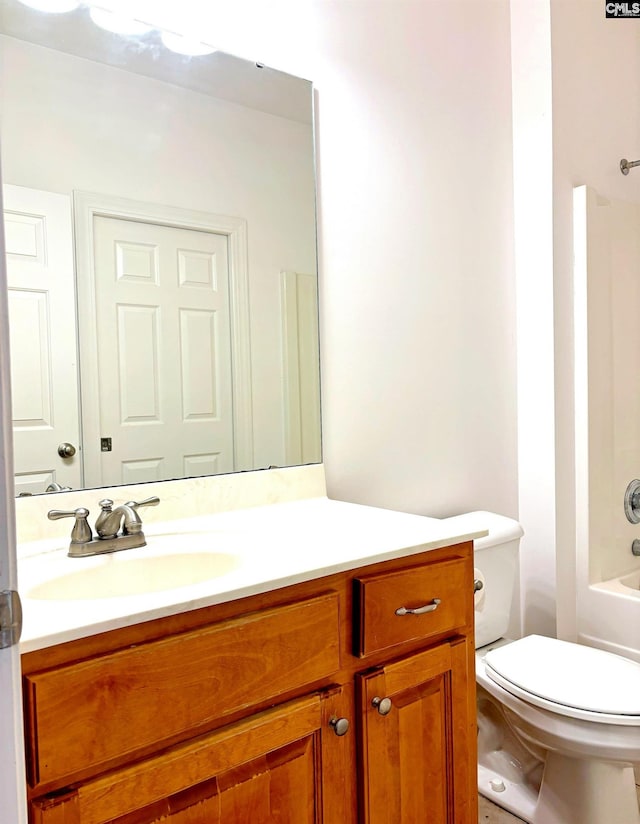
(88, 205)
(296, 312)
(13, 786)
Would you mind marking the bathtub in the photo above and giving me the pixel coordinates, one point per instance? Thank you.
(610, 615)
(627, 585)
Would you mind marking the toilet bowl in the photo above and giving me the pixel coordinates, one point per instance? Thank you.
(558, 722)
(576, 752)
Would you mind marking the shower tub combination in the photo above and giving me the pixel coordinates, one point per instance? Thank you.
(609, 615)
(607, 421)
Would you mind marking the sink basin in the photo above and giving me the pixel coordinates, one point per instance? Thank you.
(121, 574)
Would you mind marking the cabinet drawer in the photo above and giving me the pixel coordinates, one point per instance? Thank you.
(85, 716)
(378, 598)
(244, 772)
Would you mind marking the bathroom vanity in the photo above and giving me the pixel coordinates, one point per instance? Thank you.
(341, 691)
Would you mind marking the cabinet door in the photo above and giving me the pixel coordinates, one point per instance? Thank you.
(265, 770)
(418, 739)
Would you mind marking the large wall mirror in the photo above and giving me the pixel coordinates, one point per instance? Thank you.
(159, 215)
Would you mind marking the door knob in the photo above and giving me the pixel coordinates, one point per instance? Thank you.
(66, 450)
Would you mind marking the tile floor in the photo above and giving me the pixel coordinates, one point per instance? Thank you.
(489, 813)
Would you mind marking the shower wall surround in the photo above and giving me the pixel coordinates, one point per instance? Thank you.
(607, 336)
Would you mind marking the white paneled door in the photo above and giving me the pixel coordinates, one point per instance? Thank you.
(163, 351)
(44, 369)
(13, 808)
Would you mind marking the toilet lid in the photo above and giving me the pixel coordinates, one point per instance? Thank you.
(570, 679)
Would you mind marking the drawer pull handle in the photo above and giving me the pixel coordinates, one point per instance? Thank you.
(383, 705)
(419, 610)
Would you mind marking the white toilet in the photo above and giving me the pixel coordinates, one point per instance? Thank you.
(558, 723)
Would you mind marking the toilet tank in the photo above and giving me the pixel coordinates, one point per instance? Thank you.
(496, 565)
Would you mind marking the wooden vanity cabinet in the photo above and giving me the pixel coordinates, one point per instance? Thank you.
(346, 699)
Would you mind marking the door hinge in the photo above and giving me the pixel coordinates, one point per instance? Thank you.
(10, 618)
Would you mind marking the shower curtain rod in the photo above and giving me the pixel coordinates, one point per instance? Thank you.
(625, 165)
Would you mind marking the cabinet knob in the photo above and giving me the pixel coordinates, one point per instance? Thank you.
(339, 725)
(383, 705)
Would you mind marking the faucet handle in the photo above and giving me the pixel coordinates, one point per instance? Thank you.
(153, 501)
(81, 532)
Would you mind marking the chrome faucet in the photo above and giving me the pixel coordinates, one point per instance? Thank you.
(124, 519)
(54, 486)
(110, 520)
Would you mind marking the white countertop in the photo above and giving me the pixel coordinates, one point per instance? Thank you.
(260, 549)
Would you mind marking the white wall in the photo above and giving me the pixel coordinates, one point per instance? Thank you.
(416, 256)
(69, 123)
(417, 290)
(533, 235)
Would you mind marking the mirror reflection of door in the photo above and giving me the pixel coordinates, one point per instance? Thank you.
(42, 325)
(163, 352)
(301, 367)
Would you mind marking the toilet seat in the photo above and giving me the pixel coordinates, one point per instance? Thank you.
(569, 679)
